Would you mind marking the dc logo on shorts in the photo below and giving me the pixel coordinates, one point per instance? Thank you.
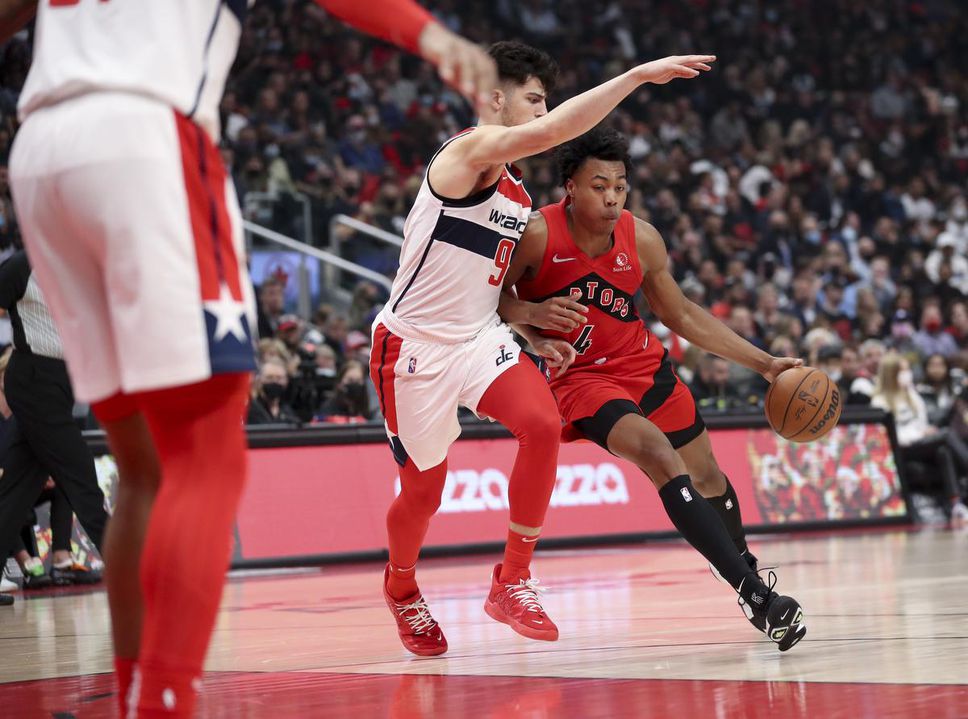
(503, 356)
(412, 367)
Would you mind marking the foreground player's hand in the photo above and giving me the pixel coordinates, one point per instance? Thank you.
(779, 365)
(460, 63)
(659, 72)
(561, 314)
(559, 354)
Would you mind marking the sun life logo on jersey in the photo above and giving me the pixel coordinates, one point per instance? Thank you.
(622, 263)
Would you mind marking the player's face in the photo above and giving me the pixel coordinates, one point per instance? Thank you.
(522, 103)
(598, 192)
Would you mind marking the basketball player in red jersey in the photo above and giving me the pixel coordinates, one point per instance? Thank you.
(135, 235)
(438, 343)
(619, 389)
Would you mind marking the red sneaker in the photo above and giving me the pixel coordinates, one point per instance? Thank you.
(517, 606)
(419, 632)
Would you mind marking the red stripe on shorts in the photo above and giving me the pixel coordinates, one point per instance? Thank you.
(205, 179)
(383, 358)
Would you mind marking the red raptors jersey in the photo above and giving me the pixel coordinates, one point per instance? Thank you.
(605, 284)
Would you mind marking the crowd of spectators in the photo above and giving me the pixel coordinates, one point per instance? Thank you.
(811, 189)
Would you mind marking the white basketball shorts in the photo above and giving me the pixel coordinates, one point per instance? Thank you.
(421, 384)
(134, 231)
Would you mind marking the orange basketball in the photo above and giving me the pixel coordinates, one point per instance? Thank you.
(803, 404)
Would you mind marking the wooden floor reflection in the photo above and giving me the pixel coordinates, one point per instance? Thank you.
(645, 632)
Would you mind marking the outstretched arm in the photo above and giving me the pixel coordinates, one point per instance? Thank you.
(461, 64)
(14, 15)
(689, 320)
(458, 168)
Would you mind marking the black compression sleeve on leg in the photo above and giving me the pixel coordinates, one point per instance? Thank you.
(727, 507)
(699, 524)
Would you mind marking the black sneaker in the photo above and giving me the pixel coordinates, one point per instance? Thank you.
(757, 620)
(74, 574)
(6, 600)
(37, 581)
(782, 616)
(35, 576)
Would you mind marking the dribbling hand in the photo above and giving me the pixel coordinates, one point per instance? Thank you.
(779, 365)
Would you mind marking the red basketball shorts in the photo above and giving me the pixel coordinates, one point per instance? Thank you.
(592, 399)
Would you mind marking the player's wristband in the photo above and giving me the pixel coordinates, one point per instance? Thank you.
(396, 21)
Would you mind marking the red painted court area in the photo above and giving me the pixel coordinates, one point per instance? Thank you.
(430, 696)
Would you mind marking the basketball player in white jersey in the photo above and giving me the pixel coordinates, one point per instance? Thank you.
(134, 233)
(439, 343)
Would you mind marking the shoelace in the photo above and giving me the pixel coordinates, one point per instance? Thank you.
(420, 621)
(526, 592)
(771, 580)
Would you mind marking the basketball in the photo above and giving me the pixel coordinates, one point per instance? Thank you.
(803, 404)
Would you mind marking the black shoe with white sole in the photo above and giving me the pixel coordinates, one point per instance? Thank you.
(781, 616)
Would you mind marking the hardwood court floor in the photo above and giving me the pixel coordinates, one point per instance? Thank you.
(645, 632)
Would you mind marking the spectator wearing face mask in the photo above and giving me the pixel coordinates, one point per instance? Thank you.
(942, 454)
(267, 406)
(931, 338)
(958, 328)
(829, 359)
(350, 401)
(902, 337)
(357, 150)
(325, 373)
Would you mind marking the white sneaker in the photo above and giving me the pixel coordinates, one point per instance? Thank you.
(959, 515)
(7, 586)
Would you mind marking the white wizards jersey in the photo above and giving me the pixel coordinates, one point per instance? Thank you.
(176, 51)
(453, 261)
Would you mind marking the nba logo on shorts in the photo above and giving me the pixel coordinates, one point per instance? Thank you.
(685, 494)
(412, 367)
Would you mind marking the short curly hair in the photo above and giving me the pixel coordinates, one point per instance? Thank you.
(602, 143)
(516, 62)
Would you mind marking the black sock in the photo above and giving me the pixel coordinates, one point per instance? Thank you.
(727, 507)
(699, 524)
